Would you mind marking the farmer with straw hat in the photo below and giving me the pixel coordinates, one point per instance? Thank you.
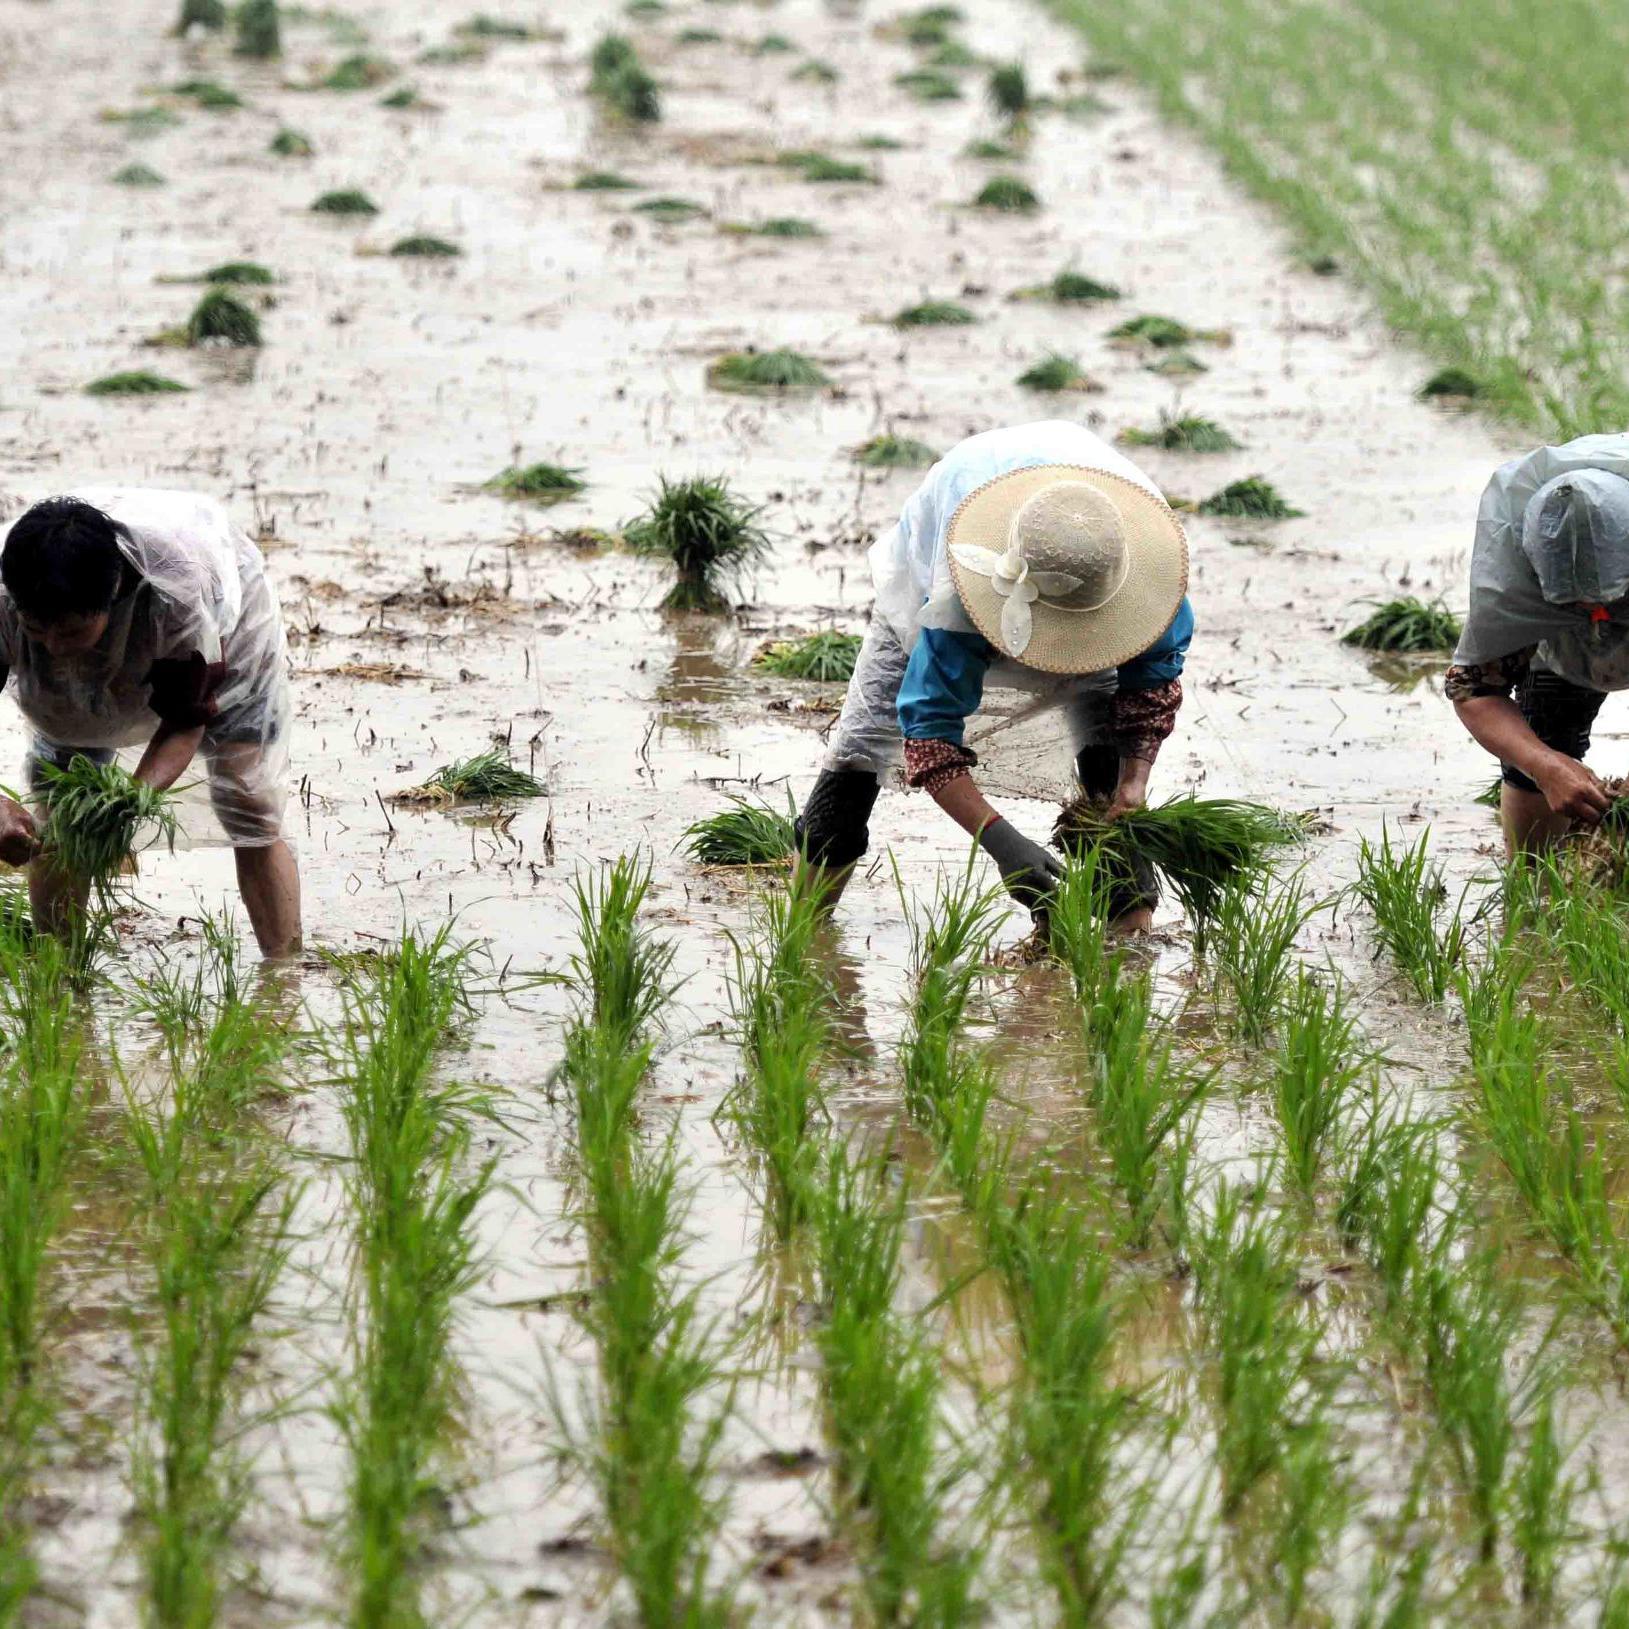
(1035, 558)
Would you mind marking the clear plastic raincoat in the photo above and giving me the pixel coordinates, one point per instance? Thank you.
(195, 637)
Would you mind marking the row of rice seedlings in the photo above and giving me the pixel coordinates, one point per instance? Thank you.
(215, 1230)
(1408, 898)
(1252, 950)
(662, 1400)
(413, 1184)
(621, 81)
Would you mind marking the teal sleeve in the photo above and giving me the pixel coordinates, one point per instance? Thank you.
(943, 686)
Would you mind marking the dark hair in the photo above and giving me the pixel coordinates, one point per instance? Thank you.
(62, 559)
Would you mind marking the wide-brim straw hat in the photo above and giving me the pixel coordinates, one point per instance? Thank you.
(1066, 568)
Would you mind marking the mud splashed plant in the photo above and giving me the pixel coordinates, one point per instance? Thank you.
(712, 537)
(1007, 195)
(771, 371)
(259, 32)
(1406, 624)
(744, 834)
(827, 657)
(1186, 434)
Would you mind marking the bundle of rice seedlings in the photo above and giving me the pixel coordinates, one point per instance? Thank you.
(488, 777)
(603, 181)
(137, 175)
(259, 34)
(246, 273)
(819, 167)
(222, 318)
(542, 483)
(827, 656)
(96, 814)
(1007, 194)
(880, 144)
(934, 314)
(484, 27)
(1178, 364)
(989, 151)
(424, 247)
(1597, 856)
(699, 36)
(209, 93)
(929, 85)
(1186, 434)
(291, 144)
(1491, 795)
(670, 210)
(777, 370)
(1201, 846)
(711, 536)
(346, 201)
(773, 45)
(1164, 333)
(815, 72)
(1069, 288)
(1405, 624)
(402, 100)
(1454, 385)
(359, 72)
(1252, 496)
(894, 452)
(744, 834)
(777, 226)
(138, 382)
(619, 80)
(1008, 92)
(209, 14)
(1057, 372)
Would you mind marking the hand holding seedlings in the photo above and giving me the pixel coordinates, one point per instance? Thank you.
(1029, 872)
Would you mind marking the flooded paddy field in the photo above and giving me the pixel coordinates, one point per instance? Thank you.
(1294, 1414)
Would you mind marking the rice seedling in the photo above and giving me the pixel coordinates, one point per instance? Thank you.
(646, 8)
(773, 45)
(259, 33)
(670, 211)
(291, 144)
(1188, 433)
(933, 314)
(777, 226)
(929, 85)
(488, 777)
(1452, 385)
(619, 80)
(699, 36)
(989, 151)
(1164, 333)
(1312, 1503)
(1069, 288)
(931, 25)
(138, 382)
(1319, 1063)
(820, 167)
(1252, 942)
(1405, 624)
(1253, 497)
(542, 483)
(744, 834)
(826, 657)
(604, 181)
(1056, 372)
(711, 536)
(346, 201)
(1078, 933)
(358, 72)
(777, 370)
(954, 55)
(1542, 1499)
(455, 54)
(1178, 364)
(1388, 1204)
(210, 14)
(1407, 897)
(877, 143)
(1007, 195)
(244, 273)
(894, 452)
(223, 319)
(815, 72)
(484, 26)
(1009, 94)
(96, 815)
(425, 248)
(407, 97)
(138, 175)
(210, 94)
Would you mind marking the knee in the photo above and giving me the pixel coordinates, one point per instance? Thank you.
(834, 828)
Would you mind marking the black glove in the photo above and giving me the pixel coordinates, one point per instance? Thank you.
(1028, 872)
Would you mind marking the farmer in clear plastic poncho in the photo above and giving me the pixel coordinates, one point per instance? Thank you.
(1549, 621)
(1035, 558)
(133, 617)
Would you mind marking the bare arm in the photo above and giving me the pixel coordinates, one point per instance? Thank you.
(168, 754)
(1496, 723)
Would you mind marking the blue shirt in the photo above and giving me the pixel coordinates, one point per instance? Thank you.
(944, 680)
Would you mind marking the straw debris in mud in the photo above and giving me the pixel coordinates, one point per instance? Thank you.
(1189, 433)
(1406, 624)
(137, 382)
(711, 536)
(777, 370)
(827, 656)
(744, 834)
(1007, 195)
(894, 452)
(488, 777)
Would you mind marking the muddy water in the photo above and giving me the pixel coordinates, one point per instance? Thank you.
(577, 331)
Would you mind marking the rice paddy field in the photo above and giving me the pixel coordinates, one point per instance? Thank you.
(582, 1232)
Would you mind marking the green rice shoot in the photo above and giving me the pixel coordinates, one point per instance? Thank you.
(488, 777)
(777, 226)
(894, 452)
(1163, 333)
(934, 314)
(542, 483)
(210, 94)
(1253, 497)
(1190, 433)
(1453, 385)
(745, 834)
(1008, 92)
(816, 72)
(670, 211)
(483, 26)
(1007, 195)
(136, 382)
(1056, 373)
(96, 815)
(345, 201)
(1406, 624)
(823, 168)
(618, 79)
(826, 657)
(777, 370)
(711, 536)
(359, 72)
(244, 273)
(987, 150)
(210, 14)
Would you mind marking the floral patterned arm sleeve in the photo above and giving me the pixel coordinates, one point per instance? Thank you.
(933, 765)
(1140, 720)
(1466, 681)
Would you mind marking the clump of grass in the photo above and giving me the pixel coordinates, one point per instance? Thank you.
(827, 657)
(222, 318)
(1406, 624)
(603, 181)
(934, 314)
(670, 210)
(1253, 497)
(358, 72)
(953, 54)
(542, 483)
(1189, 433)
(1407, 896)
(488, 777)
(1069, 288)
(777, 370)
(259, 33)
(711, 536)
(209, 93)
(210, 14)
(1008, 195)
(425, 247)
(1057, 372)
(778, 226)
(96, 815)
(138, 382)
(1453, 385)
(619, 80)
(292, 144)
(345, 201)
(1164, 333)
(138, 175)
(932, 25)
(929, 85)
(1008, 92)
(744, 834)
(894, 452)
(1178, 364)
(880, 144)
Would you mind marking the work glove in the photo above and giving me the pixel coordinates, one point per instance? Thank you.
(1028, 872)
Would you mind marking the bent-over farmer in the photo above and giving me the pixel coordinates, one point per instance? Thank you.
(130, 617)
(1035, 558)
(1548, 621)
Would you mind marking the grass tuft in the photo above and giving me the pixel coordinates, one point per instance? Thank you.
(1056, 372)
(619, 80)
(138, 175)
(1008, 92)
(895, 452)
(934, 314)
(987, 150)
(543, 483)
(1406, 624)
(245, 273)
(766, 370)
(210, 94)
(1186, 434)
(1070, 288)
(1453, 385)
(816, 72)
(138, 382)
(488, 777)
(292, 144)
(483, 26)
(425, 248)
(1253, 497)
(778, 226)
(1163, 333)
(1007, 194)
(744, 834)
(711, 536)
(346, 201)
(827, 656)
(222, 318)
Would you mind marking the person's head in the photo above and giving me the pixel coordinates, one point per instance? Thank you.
(1575, 535)
(63, 567)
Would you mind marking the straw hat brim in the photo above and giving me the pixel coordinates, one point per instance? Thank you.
(1066, 641)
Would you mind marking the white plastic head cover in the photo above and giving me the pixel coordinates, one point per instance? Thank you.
(1576, 538)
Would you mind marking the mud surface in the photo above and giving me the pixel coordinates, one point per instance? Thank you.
(429, 617)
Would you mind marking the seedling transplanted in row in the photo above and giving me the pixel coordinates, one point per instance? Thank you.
(1252, 497)
(1406, 624)
(699, 36)
(1178, 364)
(827, 657)
(244, 273)
(221, 318)
(406, 99)
(1454, 386)
(1319, 1064)
(620, 82)
(822, 168)
(1069, 288)
(934, 314)
(137, 382)
(774, 371)
(773, 45)
(988, 151)
(895, 452)
(542, 483)
(1252, 941)
(1057, 373)
(259, 33)
(488, 777)
(1007, 195)
(712, 537)
(345, 201)
(484, 26)
(425, 247)
(815, 72)
(744, 834)
(1408, 898)
(1188, 433)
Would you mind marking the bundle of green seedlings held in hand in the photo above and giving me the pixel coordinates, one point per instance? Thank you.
(96, 815)
(1598, 856)
(489, 777)
(827, 656)
(1201, 846)
(1406, 624)
(744, 834)
(711, 536)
